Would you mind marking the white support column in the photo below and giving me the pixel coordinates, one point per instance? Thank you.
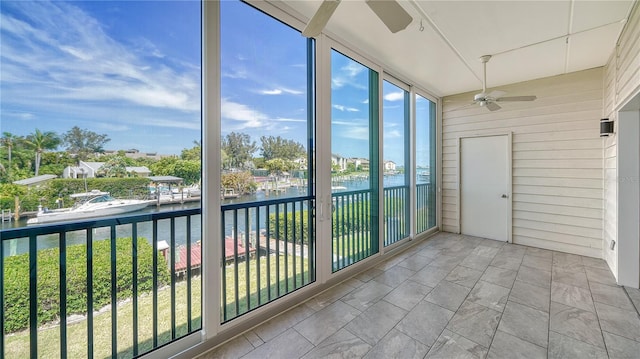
(628, 133)
(211, 260)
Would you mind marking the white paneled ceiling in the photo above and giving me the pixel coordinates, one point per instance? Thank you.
(528, 39)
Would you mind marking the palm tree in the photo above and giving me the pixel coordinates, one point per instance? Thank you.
(9, 140)
(40, 142)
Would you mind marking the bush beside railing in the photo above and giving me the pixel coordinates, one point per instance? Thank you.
(16, 280)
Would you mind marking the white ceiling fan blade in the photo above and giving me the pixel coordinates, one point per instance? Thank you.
(391, 13)
(492, 106)
(320, 18)
(516, 98)
(496, 94)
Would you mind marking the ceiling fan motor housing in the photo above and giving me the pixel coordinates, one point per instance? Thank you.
(480, 97)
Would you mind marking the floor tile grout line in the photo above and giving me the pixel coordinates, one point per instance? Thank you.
(633, 304)
(465, 298)
(604, 342)
(550, 301)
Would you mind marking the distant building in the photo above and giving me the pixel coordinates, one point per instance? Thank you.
(389, 166)
(339, 160)
(91, 169)
(35, 181)
(362, 164)
(136, 154)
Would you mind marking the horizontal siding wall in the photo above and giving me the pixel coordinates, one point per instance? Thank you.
(621, 81)
(557, 159)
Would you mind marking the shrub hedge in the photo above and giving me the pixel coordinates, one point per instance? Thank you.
(16, 280)
(340, 224)
(301, 217)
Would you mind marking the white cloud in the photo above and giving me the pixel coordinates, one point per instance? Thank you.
(271, 92)
(392, 134)
(347, 76)
(352, 69)
(236, 74)
(280, 91)
(394, 96)
(355, 133)
(24, 116)
(289, 120)
(81, 62)
(344, 108)
(366, 101)
(245, 116)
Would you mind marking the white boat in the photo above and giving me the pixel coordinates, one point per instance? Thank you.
(95, 204)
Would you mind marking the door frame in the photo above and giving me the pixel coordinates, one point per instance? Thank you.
(628, 193)
(509, 178)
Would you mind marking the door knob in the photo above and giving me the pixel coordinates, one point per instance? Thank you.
(505, 196)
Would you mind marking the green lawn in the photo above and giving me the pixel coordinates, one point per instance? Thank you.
(282, 276)
(17, 344)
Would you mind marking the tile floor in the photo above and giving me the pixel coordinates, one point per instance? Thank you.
(459, 297)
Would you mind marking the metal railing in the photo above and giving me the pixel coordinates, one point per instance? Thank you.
(351, 228)
(426, 208)
(396, 214)
(141, 327)
(268, 251)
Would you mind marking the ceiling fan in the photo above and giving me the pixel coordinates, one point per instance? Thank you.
(489, 100)
(389, 11)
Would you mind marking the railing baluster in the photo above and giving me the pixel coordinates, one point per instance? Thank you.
(361, 227)
(352, 234)
(172, 274)
(277, 250)
(63, 294)
(268, 238)
(235, 261)
(295, 252)
(257, 255)
(224, 265)
(344, 229)
(33, 295)
(89, 235)
(155, 282)
(114, 295)
(2, 279)
(134, 268)
(247, 255)
(286, 247)
(188, 274)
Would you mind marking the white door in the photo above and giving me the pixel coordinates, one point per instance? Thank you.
(484, 186)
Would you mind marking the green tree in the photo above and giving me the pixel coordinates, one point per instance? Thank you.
(278, 147)
(55, 162)
(115, 167)
(192, 154)
(84, 143)
(188, 170)
(164, 167)
(239, 148)
(9, 141)
(241, 182)
(40, 142)
(277, 167)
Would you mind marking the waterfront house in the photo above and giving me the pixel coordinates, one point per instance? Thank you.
(87, 169)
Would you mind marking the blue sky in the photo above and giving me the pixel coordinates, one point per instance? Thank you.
(132, 70)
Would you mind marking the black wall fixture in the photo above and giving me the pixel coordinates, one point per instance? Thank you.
(606, 127)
